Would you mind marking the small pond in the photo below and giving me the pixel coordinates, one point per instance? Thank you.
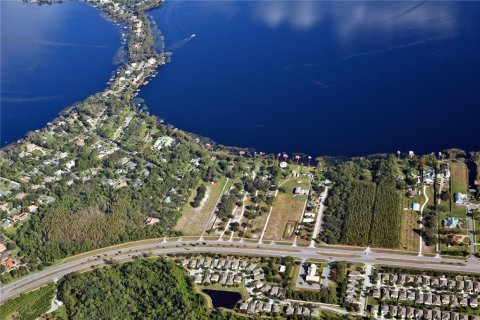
(224, 299)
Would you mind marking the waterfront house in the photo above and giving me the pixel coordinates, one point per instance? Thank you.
(451, 222)
(22, 216)
(460, 198)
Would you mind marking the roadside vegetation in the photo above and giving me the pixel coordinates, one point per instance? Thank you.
(143, 289)
(28, 306)
(364, 204)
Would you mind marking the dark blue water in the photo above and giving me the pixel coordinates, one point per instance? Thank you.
(322, 77)
(51, 57)
(223, 299)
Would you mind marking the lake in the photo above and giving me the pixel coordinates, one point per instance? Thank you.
(223, 299)
(51, 57)
(339, 78)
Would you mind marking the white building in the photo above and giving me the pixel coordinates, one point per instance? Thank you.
(311, 273)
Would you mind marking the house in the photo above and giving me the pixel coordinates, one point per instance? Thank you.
(10, 263)
(251, 308)
(451, 222)
(69, 165)
(460, 198)
(32, 208)
(20, 217)
(276, 309)
(2, 247)
(445, 315)
(418, 314)
(300, 192)
(266, 288)
(410, 313)
(416, 206)
(474, 302)
(427, 299)
(289, 310)
(5, 224)
(243, 265)
(149, 221)
(237, 279)
(20, 196)
(384, 311)
(243, 307)
(282, 268)
(312, 270)
(393, 310)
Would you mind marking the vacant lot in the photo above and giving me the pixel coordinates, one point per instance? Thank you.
(459, 177)
(287, 210)
(194, 220)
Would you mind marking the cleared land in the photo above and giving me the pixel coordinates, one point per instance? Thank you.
(459, 174)
(287, 211)
(194, 220)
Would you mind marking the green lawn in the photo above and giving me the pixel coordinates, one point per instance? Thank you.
(287, 208)
(459, 177)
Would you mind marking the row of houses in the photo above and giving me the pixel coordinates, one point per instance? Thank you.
(273, 291)
(275, 309)
(426, 298)
(228, 279)
(354, 283)
(430, 282)
(218, 264)
(389, 311)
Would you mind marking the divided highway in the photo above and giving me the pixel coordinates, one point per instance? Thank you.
(86, 261)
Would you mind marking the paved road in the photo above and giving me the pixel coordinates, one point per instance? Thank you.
(325, 306)
(366, 284)
(85, 261)
(318, 222)
(421, 220)
(471, 233)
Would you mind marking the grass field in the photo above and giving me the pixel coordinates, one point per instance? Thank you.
(193, 220)
(459, 177)
(287, 210)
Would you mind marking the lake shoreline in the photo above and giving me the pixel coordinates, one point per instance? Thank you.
(141, 47)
